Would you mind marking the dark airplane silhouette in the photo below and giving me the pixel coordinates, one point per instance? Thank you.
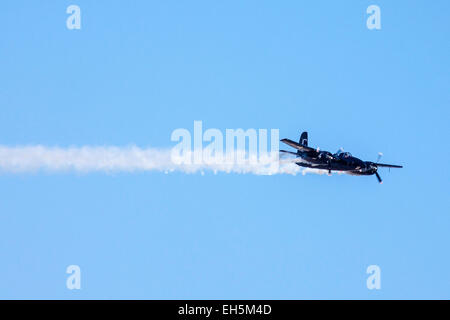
(340, 161)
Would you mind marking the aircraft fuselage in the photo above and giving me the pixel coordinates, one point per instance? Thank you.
(340, 161)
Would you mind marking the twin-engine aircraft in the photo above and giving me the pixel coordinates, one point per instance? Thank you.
(340, 161)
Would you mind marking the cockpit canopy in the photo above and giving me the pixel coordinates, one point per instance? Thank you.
(342, 154)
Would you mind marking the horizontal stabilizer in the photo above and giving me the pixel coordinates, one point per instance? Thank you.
(297, 145)
(290, 152)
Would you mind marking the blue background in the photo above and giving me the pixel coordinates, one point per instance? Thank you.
(137, 70)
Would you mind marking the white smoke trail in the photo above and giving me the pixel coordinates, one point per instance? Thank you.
(24, 159)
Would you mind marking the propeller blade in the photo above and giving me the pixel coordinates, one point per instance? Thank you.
(378, 177)
(379, 156)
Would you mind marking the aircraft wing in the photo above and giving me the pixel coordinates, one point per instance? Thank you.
(297, 145)
(388, 165)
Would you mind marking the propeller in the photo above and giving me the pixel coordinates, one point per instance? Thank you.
(379, 156)
(378, 177)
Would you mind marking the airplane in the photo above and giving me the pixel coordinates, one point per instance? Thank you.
(340, 161)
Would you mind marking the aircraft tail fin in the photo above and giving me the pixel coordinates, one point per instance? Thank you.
(304, 139)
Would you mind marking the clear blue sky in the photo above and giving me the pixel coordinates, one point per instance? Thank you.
(138, 70)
